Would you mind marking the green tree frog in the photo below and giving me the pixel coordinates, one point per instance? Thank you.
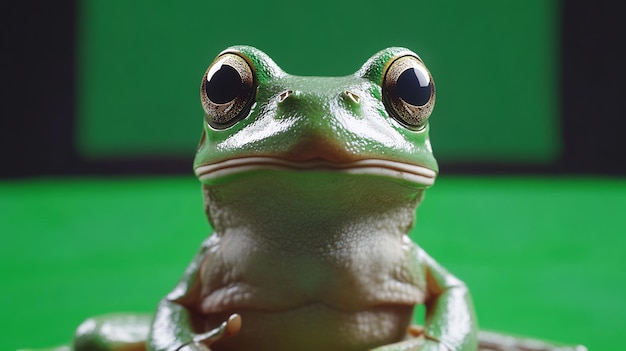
(311, 185)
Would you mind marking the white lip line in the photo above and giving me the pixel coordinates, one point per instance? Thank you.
(418, 174)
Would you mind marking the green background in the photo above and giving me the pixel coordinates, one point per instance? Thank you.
(495, 64)
(542, 256)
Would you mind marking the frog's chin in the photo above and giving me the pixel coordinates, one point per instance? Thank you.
(403, 172)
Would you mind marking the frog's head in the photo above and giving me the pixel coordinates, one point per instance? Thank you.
(373, 123)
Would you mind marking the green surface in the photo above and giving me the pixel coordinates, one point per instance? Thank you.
(543, 256)
(495, 64)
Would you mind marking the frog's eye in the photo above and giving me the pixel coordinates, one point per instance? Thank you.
(409, 92)
(228, 90)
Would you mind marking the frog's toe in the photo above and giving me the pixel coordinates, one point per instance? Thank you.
(226, 329)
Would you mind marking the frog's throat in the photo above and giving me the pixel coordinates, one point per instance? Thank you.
(393, 169)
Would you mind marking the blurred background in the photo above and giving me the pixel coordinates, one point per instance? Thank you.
(100, 212)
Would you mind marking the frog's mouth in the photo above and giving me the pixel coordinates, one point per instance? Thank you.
(377, 167)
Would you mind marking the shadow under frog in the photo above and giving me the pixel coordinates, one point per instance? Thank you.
(311, 185)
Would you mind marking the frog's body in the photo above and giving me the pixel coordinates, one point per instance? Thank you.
(311, 185)
(322, 298)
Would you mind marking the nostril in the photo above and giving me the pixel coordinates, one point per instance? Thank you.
(284, 95)
(352, 96)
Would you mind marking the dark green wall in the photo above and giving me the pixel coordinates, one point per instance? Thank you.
(495, 64)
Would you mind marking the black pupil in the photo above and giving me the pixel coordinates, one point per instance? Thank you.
(224, 85)
(414, 87)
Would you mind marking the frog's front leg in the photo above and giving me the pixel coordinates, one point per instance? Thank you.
(172, 328)
(450, 323)
(450, 319)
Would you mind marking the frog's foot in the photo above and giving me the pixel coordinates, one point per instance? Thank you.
(58, 348)
(492, 341)
(113, 332)
(417, 340)
(201, 342)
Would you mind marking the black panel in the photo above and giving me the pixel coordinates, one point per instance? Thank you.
(37, 113)
(593, 59)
